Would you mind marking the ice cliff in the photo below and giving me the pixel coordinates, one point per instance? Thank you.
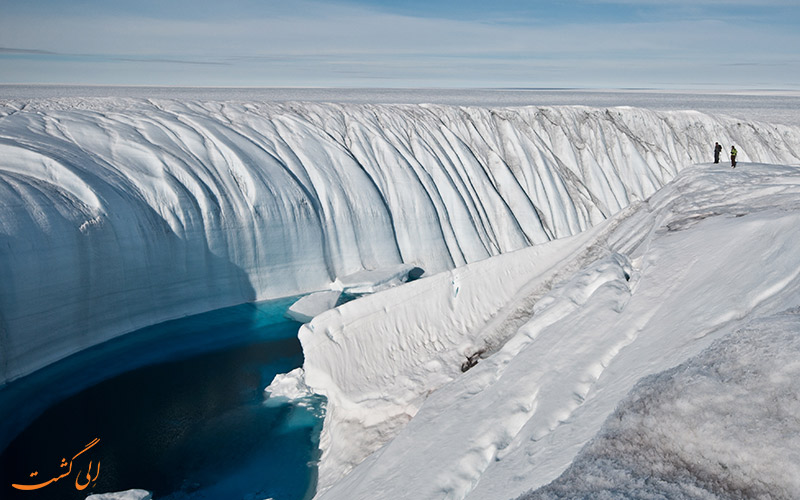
(119, 213)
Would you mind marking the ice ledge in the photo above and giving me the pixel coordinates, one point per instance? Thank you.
(353, 285)
(313, 304)
(371, 281)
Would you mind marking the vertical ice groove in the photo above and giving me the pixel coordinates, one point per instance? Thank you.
(461, 203)
(477, 179)
(491, 205)
(410, 185)
(427, 165)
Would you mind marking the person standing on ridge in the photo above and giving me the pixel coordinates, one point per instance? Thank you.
(717, 151)
(733, 156)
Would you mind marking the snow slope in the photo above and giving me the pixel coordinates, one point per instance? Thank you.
(567, 329)
(119, 213)
(722, 425)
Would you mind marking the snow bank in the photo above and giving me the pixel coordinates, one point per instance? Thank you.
(377, 358)
(723, 425)
(654, 286)
(120, 213)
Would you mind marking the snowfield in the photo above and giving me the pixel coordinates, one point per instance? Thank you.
(582, 267)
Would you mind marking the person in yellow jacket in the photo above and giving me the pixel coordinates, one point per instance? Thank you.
(733, 156)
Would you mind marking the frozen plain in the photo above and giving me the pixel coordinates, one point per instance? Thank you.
(778, 106)
(182, 186)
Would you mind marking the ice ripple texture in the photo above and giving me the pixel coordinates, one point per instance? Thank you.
(120, 213)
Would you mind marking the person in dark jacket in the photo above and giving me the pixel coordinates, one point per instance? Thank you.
(733, 156)
(717, 151)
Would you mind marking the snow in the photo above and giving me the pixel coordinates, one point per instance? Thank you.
(709, 254)
(120, 213)
(721, 425)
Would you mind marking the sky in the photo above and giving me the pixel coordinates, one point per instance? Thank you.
(686, 44)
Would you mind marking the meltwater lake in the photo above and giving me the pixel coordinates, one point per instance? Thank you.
(177, 409)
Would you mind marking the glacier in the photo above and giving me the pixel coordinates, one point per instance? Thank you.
(120, 213)
(569, 253)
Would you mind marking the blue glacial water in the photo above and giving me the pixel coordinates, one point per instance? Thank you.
(178, 409)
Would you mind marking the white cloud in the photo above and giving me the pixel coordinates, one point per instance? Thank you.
(322, 41)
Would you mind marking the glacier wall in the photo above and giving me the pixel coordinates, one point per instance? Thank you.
(120, 213)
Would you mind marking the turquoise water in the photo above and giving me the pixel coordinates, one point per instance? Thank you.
(178, 409)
